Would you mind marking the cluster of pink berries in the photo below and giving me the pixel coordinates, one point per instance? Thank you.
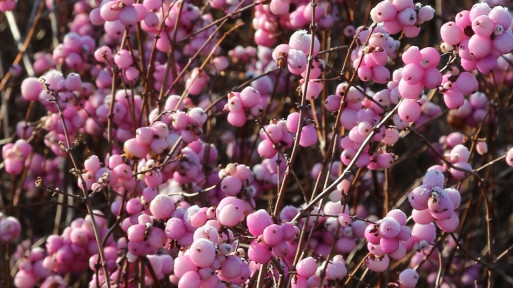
(458, 154)
(46, 169)
(270, 238)
(146, 234)
(351, 230)
(456, 87)
(31, 270)
(387, 237)
(75, 51)
(151, 140)
(294, 54)
(359, 117)
(402, 16)
(459, 157)
(15, 156)
(272, 17)
(427, 260)
(479, 36)
(371, 59)
(269, 172)
(472, 112)
(161, 264)
(68, 252)
(409, 82)
(243, 105)
(309, 273)
(67, 92)
(432, 202)
(211, 255)
(275, 136)
(10, 228)
(80, 23)
(237, 180)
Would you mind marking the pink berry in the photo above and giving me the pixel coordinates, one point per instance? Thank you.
(388, 245)
(389, 227)
(306, 267)
(377, 263)
(237, 119)
(175, 228)
(162, 207)
(272, 234)
(409, 110)
(385, 11)
(424, 232)
(398, 215)
(190, 279)
(408, 278)
(479, 46)
(231, 185)
(31, 87)
(451, 33)
(257, 221)
(230, 215)
(266, 149)
(308, 136)
(250, 97)
(202, 252)
(259, 252)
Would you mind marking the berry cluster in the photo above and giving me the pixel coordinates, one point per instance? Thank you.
(431, 202)
(242, 105)
(309, 273)
(15, 156)
(456, 87)
(276, 136)
(479, 36)
(371, 59)
(387, 237)
(472, 112)
(402, 16)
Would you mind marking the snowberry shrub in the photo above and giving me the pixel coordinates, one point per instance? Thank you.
(276, 143)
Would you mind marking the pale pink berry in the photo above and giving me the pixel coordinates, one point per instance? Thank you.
(202, 252)
(259, 252)
(481, 147)
(266, 149)
(257, 221)
(250, 97)
(408, 278)
(231, 185)
(424, 232)
(162, 206)
(389, 227)
(175, 228)
(135, 149)
(230, 215)
(237, 118)
(451, 33)
(308, 136)
(409, 110)
(306, 267)
(272, 234)
(31, 87)
(377, 263)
